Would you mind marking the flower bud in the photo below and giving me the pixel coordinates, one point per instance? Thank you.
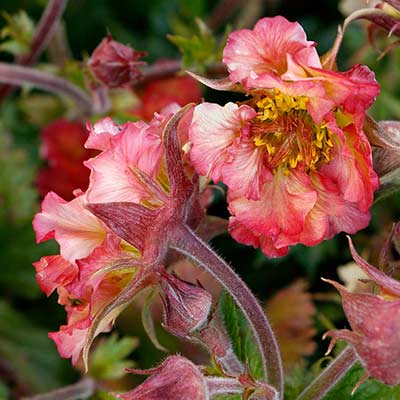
(186, 307)
(176, 378)
(115, 64)
(375, 323)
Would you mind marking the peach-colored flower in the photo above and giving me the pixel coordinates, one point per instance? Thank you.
(114, 238)
(294, 157)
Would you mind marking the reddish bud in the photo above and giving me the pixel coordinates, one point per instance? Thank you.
(115, 64)
(186, 307)
(175, 379)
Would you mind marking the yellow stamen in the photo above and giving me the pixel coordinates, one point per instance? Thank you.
(288, 134)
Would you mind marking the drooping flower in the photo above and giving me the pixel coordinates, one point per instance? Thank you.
(294, 157)
(62, 148)
(113, 238)
(375, 324)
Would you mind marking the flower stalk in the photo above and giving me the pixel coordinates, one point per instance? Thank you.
(41, 37)
(329, 376)
(19, 75)
(187, 243)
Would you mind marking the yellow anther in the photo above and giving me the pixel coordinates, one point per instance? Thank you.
(290, 137)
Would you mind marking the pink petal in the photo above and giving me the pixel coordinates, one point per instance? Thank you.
(77, 231)
(54, 271)
(113, 176)
(351, 168)
(212, 133)
(265, 48)
(281, 210)
(101, 133)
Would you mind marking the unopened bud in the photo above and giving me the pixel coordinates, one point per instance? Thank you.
(186, 307)
(115, 64)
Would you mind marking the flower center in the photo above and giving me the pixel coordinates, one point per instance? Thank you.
(288, 134)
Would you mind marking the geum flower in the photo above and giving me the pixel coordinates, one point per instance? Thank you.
(113, 238)
(293, 155)
(375, 324)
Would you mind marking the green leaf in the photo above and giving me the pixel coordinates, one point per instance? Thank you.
(102, 395)
(198, 46)
(30, 352)
(18, 32)
(107, 361)
(369, 390)
(240, 335)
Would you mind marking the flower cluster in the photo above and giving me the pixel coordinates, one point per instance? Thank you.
(293, 155)
(109, 236)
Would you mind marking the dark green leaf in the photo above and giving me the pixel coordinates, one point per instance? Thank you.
(240, 334)
(369, 390)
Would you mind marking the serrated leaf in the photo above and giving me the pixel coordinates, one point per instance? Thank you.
(108, 359)
(198, 46)
(18, 32)
(240, 335)
(369, 390)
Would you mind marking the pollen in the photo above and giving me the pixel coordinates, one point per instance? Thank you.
(288, 134)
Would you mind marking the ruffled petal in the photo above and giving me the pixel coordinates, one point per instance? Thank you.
(281, 210)
(265, 48)
(351, 167)
(212, 133)
(114, 177)
(77, 231)
(54, 271)
(101, 133)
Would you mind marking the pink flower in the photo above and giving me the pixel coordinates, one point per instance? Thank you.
(114, 238)
(115, 64)
(375, 323)
(294, 157)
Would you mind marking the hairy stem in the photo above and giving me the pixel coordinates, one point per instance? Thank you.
(18, 75)
(43, 33)
(329, 376)
(81, 390)
(186, 242)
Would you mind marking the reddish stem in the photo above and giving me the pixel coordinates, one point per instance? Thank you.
(329, 376)
(43, 33)
(186, 242)
(18, 75)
